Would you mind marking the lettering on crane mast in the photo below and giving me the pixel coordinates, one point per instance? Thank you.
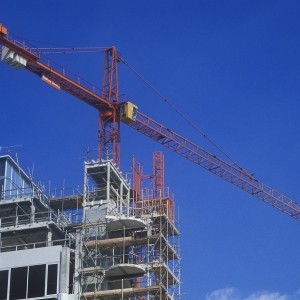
(50, 82)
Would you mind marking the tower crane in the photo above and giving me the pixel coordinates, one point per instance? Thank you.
(18, 54)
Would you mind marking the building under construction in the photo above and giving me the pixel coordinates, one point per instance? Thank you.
(110, 239)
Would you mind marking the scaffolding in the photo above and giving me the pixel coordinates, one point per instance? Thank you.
(115, 241)
(131, 249)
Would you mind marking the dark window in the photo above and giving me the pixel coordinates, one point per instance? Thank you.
(2, 171)
(3, 284)
(18, 283)
(36, 281)
(1, 187)
(52, 280)
(71, 276)
(2, 167)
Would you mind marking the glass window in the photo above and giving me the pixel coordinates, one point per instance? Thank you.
(18, 283)
(2, 167)
(52, 280)
(14, 183)
(3, 284)
(36, 281)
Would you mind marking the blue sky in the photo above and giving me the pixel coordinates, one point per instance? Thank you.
(233, 68)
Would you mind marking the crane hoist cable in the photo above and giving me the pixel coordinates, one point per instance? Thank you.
(181, 114)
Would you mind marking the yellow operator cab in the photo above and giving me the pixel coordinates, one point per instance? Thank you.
(128, 112)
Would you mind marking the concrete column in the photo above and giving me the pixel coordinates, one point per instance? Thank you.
(85, 182)
(121, 197)
(78, 255)
(32, 214)
(17, 216)
(128, 203)
(64, 270)
(149, 229)
(0, 237)
(49, 238)
(108, 182)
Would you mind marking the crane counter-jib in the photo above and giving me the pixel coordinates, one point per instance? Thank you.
(53, 74)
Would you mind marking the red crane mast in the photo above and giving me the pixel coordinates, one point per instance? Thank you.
(106, 101)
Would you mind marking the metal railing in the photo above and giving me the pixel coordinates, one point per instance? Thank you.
(66, 242)
(59, 219)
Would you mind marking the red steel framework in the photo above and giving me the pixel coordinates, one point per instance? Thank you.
(106, 101)
(158, 172)
(136, 179)
(154, 198)
(109, 121)
(157, 177)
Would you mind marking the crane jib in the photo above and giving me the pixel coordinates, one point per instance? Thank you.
(20, 55)
(212, 163)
